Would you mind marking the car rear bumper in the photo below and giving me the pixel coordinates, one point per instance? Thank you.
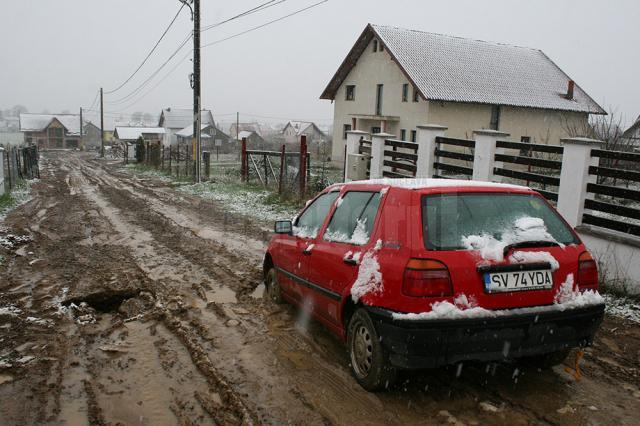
(415, 344)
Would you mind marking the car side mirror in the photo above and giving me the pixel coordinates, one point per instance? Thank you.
(284, 227)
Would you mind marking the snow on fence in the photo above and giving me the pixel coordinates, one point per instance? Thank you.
(597, 191)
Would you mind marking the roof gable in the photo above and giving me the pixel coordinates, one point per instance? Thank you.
(39, 122)
(456, 69)
(179, 118)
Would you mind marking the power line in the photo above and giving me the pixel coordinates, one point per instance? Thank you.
(258, 8)
(265, 24)
(149, 54)
(137, 90)
(94, 100)
(144, 83)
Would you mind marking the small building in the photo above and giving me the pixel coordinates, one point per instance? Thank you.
(236, 128)
(294, 129)
(132, 134)
(254, 140)
(211, 137)
(51, 131)
(91, 137)
(395, 79)
(174, 120)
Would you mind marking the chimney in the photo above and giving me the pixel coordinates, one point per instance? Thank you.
(570, 86)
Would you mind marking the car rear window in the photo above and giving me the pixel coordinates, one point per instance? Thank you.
(448, 218)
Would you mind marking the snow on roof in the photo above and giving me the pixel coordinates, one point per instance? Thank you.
(133, 133)
(426, 183)
(245, 134)
(179, 118)
(39, 122)
(187, 132)
(298, 126)
(456, 69)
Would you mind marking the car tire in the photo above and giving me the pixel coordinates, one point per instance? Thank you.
(369, 359)
(273, 290)
(546, 361)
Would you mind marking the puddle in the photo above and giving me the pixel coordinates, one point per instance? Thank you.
(258, 293)
(222, 295)
(5, 378)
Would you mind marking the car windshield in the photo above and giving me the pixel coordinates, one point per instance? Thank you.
(450, 220)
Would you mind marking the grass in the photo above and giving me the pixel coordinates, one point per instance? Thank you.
(19, 194)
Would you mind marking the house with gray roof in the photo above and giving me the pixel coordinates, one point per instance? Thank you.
(174, 120)
(294, 129)
(51, 131)
(393, 80)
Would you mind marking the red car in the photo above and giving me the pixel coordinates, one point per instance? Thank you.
(419, 273)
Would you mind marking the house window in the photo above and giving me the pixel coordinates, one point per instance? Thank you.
(379, 99)
(405, 92)
(413, 135)
(495, 117)
(416, 95)
(346, 128)
(381, 47)
(403, 134)
(375, 45)
(350, 94)
(375, 130)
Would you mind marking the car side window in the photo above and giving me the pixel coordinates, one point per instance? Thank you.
(352, 222)
(309, 222)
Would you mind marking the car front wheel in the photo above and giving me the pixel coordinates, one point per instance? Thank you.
(274, 292)
(369, 360)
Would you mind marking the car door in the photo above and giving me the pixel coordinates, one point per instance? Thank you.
(333, 262)
(293, 249)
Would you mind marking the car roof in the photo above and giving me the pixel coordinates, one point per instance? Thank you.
(436, 184)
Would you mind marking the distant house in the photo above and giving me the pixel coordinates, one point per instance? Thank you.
(235, 129)
(395, 79)
(91, 137)
(174, 120)
(294, 129)
(132, 134)
(632, 136)
(210, 135)
(51, 131)
(253, 139)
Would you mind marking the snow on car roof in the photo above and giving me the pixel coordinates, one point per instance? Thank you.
(425, 183)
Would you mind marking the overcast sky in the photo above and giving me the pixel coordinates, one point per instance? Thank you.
(56, 54)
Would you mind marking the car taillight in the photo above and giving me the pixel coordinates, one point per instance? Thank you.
(587, 272)
(426, 278)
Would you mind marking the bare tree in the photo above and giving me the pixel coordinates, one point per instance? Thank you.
(606, 128)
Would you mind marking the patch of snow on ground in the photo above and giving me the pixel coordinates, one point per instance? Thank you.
(250, 203)
(534, 256)
(20, 195)
(622, 307)
(524, 229)
(10, 310)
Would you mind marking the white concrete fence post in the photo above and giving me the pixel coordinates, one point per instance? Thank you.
(377, 154)
(574, 177)
(426, 140)
(484, 153)
(2, 171)
(353, 144)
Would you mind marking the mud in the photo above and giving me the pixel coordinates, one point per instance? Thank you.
(124, 301)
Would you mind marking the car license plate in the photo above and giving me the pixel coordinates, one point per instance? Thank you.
(518, 280)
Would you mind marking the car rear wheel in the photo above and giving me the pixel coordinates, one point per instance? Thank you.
(369, 360)
(274, 292)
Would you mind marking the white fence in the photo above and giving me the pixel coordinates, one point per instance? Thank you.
(607, 216)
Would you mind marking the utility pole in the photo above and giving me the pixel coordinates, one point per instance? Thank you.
(197, 104)
(101, 125)
(81, 132)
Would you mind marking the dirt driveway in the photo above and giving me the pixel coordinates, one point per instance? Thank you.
(124, 301)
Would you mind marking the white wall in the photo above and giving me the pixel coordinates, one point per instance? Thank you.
(371, 69)
(617, 260)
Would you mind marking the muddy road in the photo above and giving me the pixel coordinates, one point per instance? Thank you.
(124, 301)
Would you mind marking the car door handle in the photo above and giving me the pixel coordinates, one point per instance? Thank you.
(350, 261)
(306, 252)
